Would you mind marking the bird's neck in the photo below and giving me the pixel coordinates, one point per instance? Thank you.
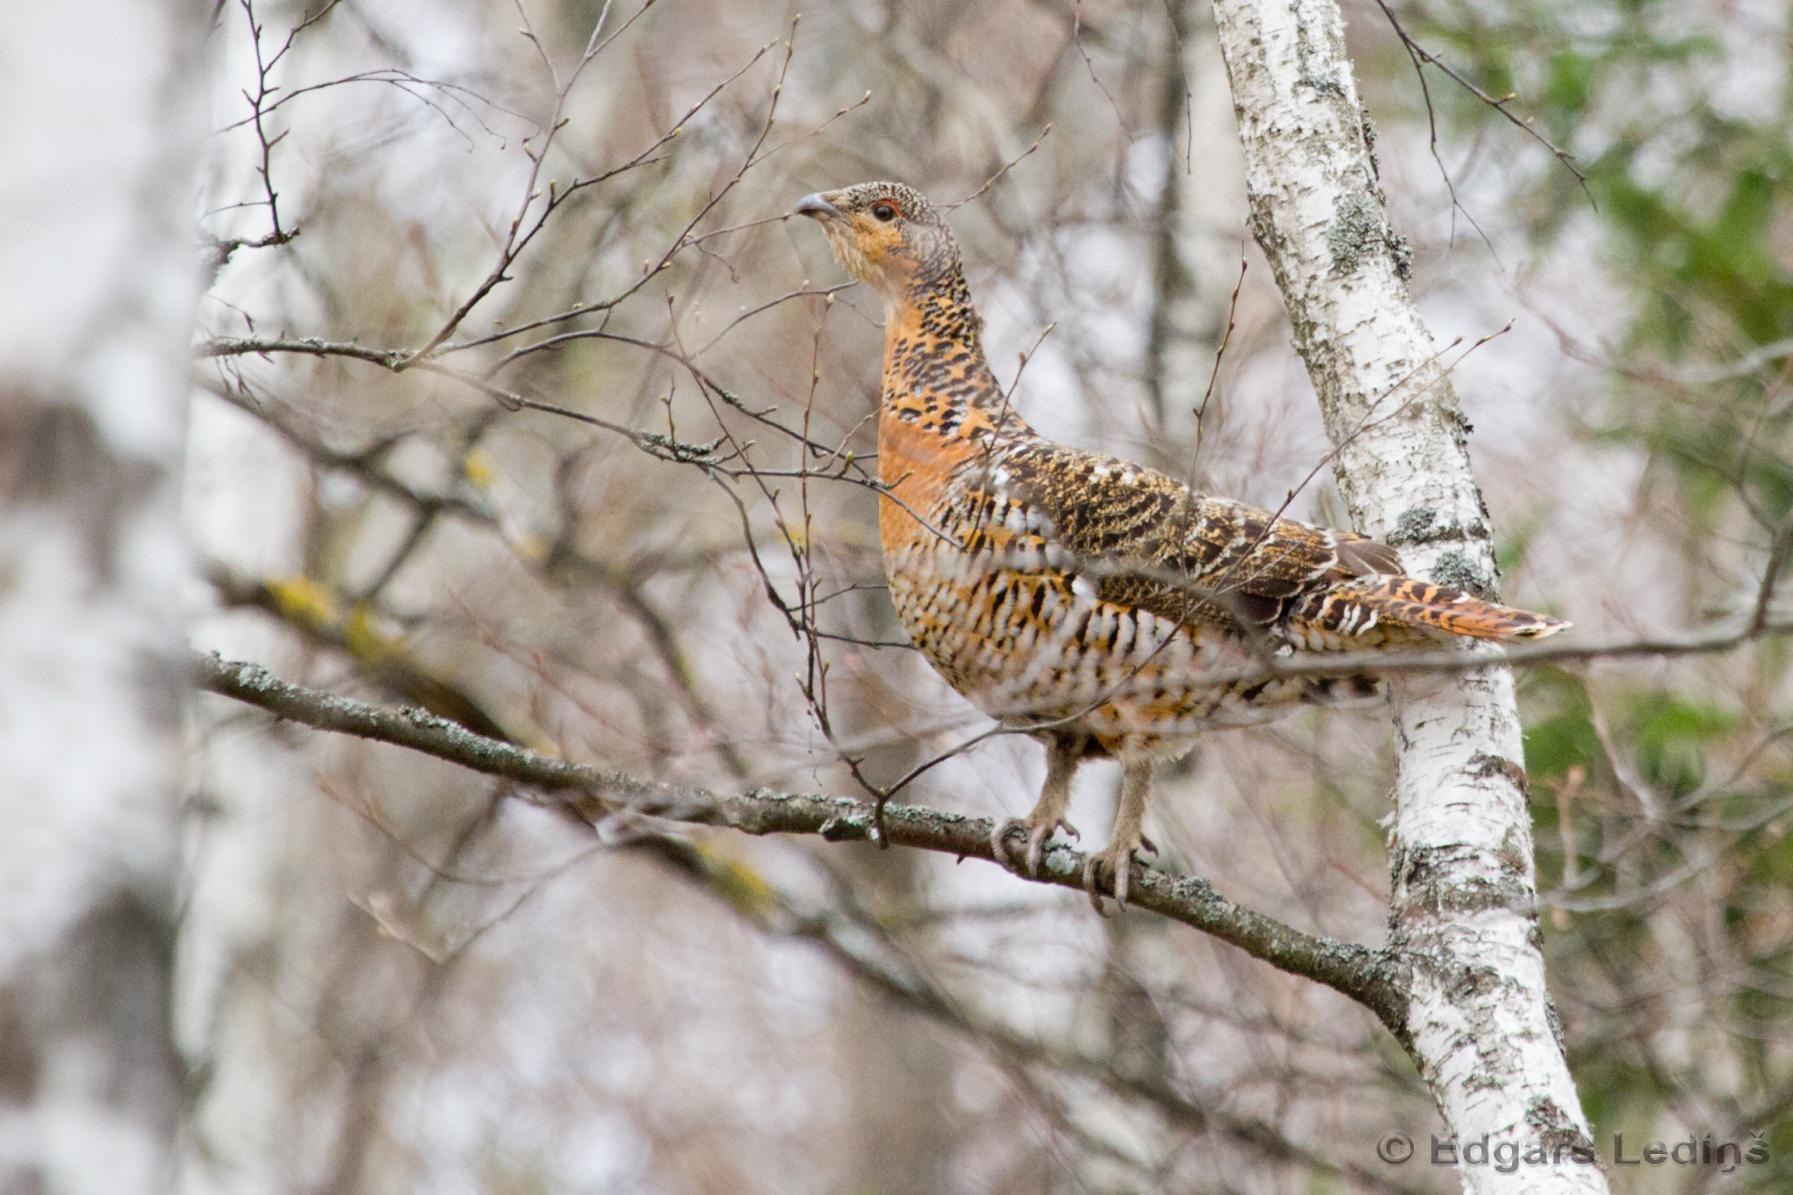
(936, 378)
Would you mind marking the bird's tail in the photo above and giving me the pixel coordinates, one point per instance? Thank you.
(1407, 601)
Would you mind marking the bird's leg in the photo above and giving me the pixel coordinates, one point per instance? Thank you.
(1128, 836)
(1062, 756)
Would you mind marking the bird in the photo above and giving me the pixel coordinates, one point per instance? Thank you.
(1105, 608)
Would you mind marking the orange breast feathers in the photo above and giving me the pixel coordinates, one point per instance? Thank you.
(919, 449)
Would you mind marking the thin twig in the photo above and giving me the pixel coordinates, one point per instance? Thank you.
(1001, 171)
(1498, 104)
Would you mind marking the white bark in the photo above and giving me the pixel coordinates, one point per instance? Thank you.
(97, 284)
(1462, 913)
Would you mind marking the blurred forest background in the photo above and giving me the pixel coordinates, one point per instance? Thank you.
(390, 977)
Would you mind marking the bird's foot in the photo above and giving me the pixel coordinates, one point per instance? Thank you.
(1037, 831)
(1117, 860)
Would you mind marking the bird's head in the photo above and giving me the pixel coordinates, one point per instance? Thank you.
(887, 236)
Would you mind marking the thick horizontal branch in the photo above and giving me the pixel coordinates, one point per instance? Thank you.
(852, 941)
(1359, 972)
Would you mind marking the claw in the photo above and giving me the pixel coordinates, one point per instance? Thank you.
(1118, 860)
(999, 846)
(1117, 856)
(1037, 833)
(1089, 885)
(1036, 842)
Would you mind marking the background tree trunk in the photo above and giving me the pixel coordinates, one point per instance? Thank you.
(1462, 913)
(97, 284)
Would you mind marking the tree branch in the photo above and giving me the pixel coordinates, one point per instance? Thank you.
(597, 795)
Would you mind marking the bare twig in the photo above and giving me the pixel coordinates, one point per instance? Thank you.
(519, 235)
(1499, 103)
(1001, 171)
(1226, 337)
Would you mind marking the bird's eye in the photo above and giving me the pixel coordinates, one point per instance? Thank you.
(884, 211)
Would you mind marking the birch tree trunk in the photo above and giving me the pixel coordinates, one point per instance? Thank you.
(97, 285)
(1462, 916)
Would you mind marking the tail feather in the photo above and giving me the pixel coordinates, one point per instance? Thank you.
(1408, 601)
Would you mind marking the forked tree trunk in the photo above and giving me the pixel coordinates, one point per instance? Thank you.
(1462, 912)
(98, 276)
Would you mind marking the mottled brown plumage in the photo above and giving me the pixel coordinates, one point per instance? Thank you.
(1087, 599)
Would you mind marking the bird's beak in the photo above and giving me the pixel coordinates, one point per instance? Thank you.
(817, 205)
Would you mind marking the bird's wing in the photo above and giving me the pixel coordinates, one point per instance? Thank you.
(1149, 541)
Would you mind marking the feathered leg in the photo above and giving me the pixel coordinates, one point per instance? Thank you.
(1128, 836)
(1063, 752)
